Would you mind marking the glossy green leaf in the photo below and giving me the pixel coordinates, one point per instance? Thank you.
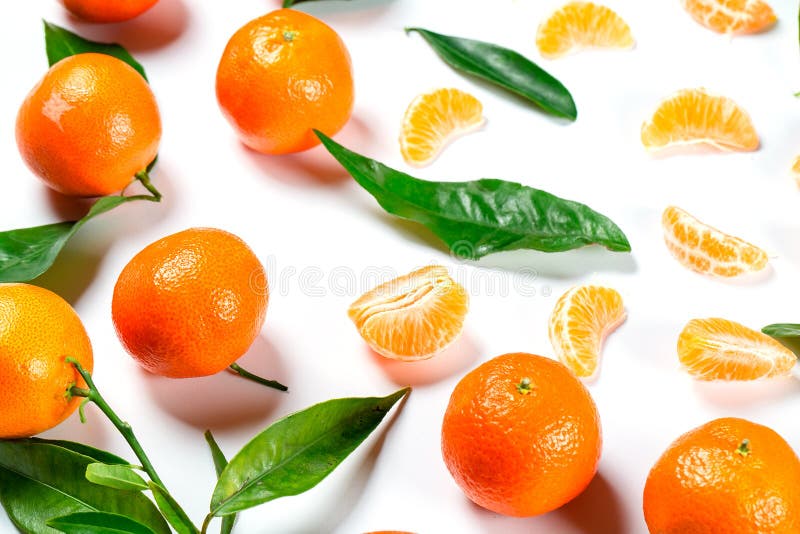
(481, 217)
(505, 68)
(40, 481)
(96, 454)
(297, 452)
(61, 43)
(787, 334)
(115, 476)
(172, 511)
(220, 463)
(98, 523)
(28, 252)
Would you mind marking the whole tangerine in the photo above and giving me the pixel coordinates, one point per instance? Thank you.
(521, 435)
(728, 476)
(281, 76)
(190, 304)
(108, 10)
(38, 331)
(89, 125)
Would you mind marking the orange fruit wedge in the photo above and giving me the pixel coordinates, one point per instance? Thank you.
(412, 317)
(706, 250)
(435, 119)
(580, 25)
(796, 170)
(694, 116)
(732, 16)
(718, 349)
(580, 322)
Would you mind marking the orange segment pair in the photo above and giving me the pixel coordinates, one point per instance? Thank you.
(732, 16)
(579, 25)
(706, 250)
(412, 317)
(434, 120)
(718, 349)
(580, 322)
(694, 116)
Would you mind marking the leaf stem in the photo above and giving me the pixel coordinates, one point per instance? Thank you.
(244, 373)
(206, 523)
(144, 178)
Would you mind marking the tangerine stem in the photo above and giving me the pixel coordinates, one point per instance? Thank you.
(144, 178)
(244, 373)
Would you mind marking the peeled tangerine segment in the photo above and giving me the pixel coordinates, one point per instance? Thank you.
(706, 250)
(731, 16)
(580, 322)
(694, 116)
(412, 317)
(580, 25)
(433, 120)
(718, 349)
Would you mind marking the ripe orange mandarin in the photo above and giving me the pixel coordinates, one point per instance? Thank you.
(190, 304)
(38, 331)
(108, 10)
(89, 125)
(281, 76)
(521, 435)
(729, 476)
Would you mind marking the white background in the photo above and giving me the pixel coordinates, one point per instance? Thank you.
(302, 212)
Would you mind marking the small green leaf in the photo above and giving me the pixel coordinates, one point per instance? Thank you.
(481, 217)
(40, 481)
(220, 463)
(98, 523)
(172, 511)
(115, 476)
(297, 452)
(28, 252)
(504, 68)
(61, 43)
(96, 454)
(787, 334)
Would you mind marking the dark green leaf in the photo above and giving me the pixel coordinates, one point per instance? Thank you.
(115, 476)
(86, 450)
(505, 68)
(787, 333)
(220, 462)
(28, 252)
(61, 43)
(483, 216)
(98, 523)
(172, 510)
(297, 452)
(40, 481)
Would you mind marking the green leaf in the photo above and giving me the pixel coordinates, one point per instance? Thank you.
(504, 68)
(115, 476)
(172, 510)
(98, 523)
(86, 450)
(40, 481)
(61, 43)
(28, 252)
(787, 334)
(220, 462)
(481, 217)
(297, 452)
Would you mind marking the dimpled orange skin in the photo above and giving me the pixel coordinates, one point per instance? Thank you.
(89, 126)
(281, 76)
(107, 10)
(38, 330)
(516, 453)
(702, 484)
(190, 304)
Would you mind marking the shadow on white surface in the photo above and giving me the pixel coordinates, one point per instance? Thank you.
(224, 400)
(364, 11)
(94, 432)
(314, 167)
(563, 265)
(159, 26)
(598, 510)
(455, 359)
(736, 395)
